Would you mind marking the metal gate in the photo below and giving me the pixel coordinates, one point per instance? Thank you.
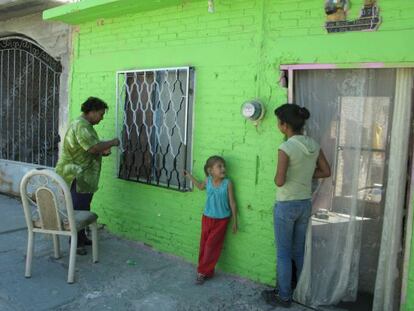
(29, 102)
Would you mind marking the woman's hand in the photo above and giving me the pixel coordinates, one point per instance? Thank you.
(106, 152)
(322, 170)
(115, 142)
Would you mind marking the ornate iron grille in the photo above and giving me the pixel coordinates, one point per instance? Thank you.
(155, 124)
(29, 102)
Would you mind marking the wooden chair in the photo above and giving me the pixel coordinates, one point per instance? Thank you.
(48, 209)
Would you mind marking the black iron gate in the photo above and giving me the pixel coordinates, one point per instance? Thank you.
(29, 102)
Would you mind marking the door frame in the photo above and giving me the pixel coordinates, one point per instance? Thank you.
(409, 214)
(287, 70)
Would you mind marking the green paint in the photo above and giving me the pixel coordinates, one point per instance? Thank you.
(86, 10)
(256, 179)
(236, 52)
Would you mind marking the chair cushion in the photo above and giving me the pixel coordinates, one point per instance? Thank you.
(82, 220)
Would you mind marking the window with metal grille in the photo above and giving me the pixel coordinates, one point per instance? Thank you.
(29, 102)
(154, 120)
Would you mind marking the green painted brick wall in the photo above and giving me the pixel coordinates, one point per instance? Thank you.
(236, 52)
(224, 48)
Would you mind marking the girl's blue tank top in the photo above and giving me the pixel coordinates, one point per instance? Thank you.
(217, 205)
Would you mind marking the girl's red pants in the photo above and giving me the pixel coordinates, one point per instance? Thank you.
(213, 232)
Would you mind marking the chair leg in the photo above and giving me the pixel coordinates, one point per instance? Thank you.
(72, 257)
(94, 231)
(29, 255)
(56, 246)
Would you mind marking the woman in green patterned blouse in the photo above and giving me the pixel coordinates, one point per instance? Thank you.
(80, 160)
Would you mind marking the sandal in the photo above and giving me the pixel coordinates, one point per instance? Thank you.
(201, 278)
(272, 298)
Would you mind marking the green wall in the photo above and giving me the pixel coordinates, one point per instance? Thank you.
(236, 52)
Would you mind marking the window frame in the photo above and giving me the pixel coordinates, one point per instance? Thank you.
(187, 134)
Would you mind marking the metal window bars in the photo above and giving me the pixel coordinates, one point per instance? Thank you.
(29, 102)
(154, 123)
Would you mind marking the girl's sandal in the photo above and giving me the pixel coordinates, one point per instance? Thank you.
(201, 278)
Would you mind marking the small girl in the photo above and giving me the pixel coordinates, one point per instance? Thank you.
(219, 207)
(300, 159)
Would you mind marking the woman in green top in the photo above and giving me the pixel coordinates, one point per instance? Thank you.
(80, 161)
(299, 160)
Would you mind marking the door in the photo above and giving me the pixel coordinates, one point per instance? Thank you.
(351, 116)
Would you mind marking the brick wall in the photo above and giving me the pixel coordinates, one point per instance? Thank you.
(236, 52)
(301, 38)
(224, 47)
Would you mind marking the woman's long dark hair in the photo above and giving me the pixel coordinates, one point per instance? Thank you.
(293, 115)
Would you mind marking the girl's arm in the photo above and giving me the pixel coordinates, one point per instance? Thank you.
(200, 185)
(322, 169)
(282, 166)
(232, 203)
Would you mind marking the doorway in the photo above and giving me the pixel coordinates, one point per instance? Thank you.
(352, 112)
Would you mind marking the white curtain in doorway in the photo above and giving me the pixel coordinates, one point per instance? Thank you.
(350, 117)
(387, 285)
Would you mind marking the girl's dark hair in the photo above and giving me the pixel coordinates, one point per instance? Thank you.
(93, 104)
(294, 115)
(211, 161)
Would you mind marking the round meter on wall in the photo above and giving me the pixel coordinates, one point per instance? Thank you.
(253, 110)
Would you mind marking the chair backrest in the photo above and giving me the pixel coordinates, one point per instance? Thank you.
(47, 201)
